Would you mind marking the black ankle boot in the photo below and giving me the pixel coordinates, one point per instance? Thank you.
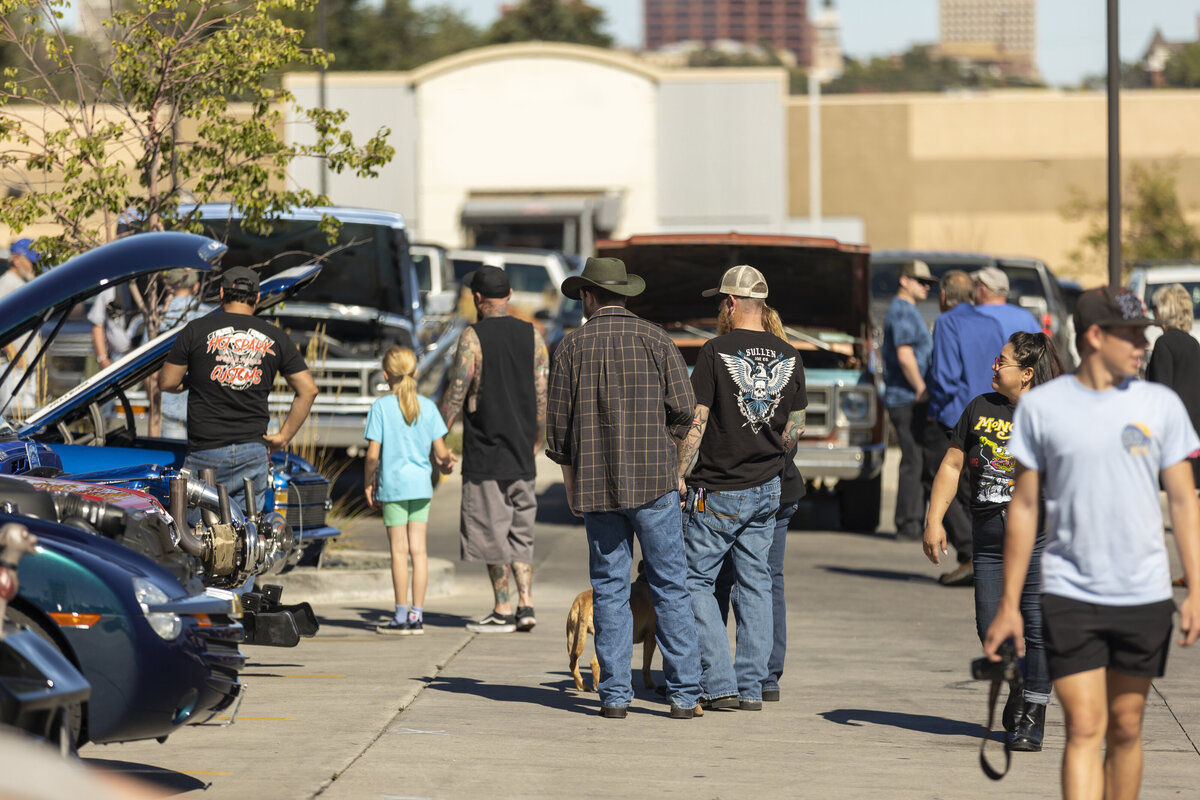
(1012, 709)
(1030, 729)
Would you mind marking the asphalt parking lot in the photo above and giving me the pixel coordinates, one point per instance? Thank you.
(875, 700)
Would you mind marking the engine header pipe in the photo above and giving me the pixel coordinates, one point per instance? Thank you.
(250, 499)
(223, 504)
(188, 542)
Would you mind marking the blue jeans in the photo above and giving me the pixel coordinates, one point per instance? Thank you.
(725, 590)
(232, 463)
(740, 523)
(988, 558)
(659, 528)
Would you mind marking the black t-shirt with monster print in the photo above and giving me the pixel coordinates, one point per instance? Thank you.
(232, 361)
(983, 432)
(751, 382)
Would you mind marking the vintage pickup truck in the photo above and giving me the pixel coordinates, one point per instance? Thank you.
(821, 289)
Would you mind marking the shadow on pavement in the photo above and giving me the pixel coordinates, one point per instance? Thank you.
(921, 723)
(552, 508)
(166, 780)
(369, 617)
(880, 574)
(546, 695)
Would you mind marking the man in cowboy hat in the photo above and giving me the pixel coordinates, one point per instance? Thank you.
(498, 383)
(620, 403)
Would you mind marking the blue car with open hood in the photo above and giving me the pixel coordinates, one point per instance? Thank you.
(71, 433)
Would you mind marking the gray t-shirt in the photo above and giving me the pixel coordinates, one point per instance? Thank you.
(1100, 455)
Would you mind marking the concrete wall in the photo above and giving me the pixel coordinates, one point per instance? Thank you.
(721, 152)
(990, 172)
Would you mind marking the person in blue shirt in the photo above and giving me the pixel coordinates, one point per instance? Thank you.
(965, 345)
(907, 346)
(402, 428)
(991, 298)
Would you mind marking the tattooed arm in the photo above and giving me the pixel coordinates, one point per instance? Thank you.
(541, 376)
(793, 430)
(690, 444)
(462, 376)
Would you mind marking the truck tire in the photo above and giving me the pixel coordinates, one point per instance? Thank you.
(859, 503)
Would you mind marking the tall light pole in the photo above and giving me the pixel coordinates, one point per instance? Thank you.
(1114, 149)
(322, 43)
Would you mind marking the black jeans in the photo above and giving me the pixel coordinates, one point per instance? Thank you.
(912, 490)
(958, 519)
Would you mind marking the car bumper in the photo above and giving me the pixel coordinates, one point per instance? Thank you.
(846, 463)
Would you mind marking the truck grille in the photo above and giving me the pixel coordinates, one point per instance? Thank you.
(818, 418)
(306, 504)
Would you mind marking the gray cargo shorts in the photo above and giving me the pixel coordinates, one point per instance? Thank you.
(496, 526)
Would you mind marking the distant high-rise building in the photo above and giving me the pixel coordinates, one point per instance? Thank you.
(1001, 31)
(781, 24)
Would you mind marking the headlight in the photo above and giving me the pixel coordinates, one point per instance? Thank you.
(855, 406)
(167, 626)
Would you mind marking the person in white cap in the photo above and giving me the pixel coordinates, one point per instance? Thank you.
(750, 400)
(991, 298)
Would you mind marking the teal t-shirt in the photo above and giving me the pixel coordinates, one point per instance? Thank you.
(404, 468)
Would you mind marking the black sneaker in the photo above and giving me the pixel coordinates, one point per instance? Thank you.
(525, 618)
(416, 627)
(494, 623)
(394, 627)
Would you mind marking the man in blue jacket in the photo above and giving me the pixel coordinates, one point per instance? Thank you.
(965, 344)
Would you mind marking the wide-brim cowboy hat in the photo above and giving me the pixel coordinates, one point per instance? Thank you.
(604, 273)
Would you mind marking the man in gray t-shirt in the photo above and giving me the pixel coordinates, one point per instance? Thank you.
(1098, 443)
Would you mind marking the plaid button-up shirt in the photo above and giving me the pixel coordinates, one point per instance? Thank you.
(619, 398)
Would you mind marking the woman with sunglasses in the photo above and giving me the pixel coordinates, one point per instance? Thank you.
(980, 439)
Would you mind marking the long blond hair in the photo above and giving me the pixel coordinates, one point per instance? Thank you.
(771, 322)
(400, 366)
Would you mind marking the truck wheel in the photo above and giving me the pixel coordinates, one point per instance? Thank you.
(859, 503)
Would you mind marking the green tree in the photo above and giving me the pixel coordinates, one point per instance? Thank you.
(1182, 69)
(915, 71)
(571, 21)
(391, 35)
(152, 125)
(1152, 221)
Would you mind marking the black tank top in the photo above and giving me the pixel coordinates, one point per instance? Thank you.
(498, 437)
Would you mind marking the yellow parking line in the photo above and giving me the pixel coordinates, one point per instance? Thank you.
(312, 676)
(348, 639)
(203, 772)
(263, 719)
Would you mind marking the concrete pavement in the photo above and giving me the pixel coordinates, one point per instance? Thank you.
(876, 698)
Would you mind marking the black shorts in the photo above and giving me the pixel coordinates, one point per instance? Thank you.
(1081, 636)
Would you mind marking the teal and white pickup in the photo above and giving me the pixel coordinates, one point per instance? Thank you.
(820, 287)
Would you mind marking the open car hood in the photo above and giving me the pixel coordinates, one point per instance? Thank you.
(814, 283)
(56, 292)
(142, 361)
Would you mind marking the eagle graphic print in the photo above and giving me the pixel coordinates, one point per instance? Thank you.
(238, 355)
(760, 374)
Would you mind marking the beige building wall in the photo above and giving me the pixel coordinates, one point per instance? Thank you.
(991, 172)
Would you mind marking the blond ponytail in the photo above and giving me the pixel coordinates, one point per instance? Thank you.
(400, 366)
(771, 322)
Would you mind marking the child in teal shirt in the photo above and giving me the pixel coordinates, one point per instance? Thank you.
(402, 428)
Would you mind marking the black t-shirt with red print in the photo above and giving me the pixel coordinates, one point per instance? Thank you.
(232, 361)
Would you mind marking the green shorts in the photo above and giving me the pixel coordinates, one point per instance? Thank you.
(402, 512)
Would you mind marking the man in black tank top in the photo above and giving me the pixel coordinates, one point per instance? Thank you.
(498, 384)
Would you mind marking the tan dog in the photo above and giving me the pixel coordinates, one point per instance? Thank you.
(579, 625)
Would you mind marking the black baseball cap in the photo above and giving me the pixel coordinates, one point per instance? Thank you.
(240, 278)
(489, 282)
(1107, 306)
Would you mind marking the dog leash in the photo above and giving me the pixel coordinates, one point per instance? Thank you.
(988, 769)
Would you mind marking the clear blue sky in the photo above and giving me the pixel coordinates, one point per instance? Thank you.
(1071, 33)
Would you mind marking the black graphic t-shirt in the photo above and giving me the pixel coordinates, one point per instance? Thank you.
(232, 361)
(983, 432)
(751, 382)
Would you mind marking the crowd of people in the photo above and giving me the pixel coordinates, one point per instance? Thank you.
(1047, 486)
